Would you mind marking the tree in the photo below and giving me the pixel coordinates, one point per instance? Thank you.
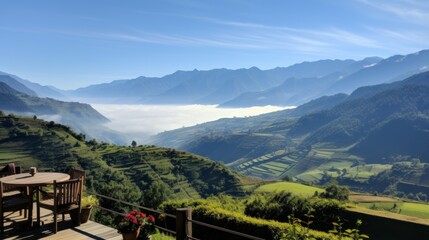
(34, 117)
(157, 193)
(335, 191)
(133, 143)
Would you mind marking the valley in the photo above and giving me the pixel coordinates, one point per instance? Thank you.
(371, 140)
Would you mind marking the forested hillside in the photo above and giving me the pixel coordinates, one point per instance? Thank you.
(142, 174)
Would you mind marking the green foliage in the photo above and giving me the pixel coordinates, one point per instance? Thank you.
(157, 193)
(335, 191)
(353, 234)
(89, 200)
(280, 206)
(212, 212)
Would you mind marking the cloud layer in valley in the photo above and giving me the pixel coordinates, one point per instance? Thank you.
(141, 121)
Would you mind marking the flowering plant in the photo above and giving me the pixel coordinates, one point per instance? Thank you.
(134, 220)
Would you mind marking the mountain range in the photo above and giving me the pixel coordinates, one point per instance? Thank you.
(282, 86)
(216, 86)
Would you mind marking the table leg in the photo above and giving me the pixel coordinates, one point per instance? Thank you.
(38, 206)
(30, 211)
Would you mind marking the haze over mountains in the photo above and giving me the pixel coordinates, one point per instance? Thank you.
(282, 86)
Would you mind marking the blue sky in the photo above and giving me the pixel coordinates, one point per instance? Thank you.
(75, 43)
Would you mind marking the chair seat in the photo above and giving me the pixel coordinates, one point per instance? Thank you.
(49, 204)
(16, 202)
(12, 193)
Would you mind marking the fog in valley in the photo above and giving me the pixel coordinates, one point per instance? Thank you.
(138, 122)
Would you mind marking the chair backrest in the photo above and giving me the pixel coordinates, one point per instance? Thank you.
(9, 169)
(76, 174)
(68, 192)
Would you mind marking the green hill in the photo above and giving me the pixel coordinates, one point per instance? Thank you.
(142, 174)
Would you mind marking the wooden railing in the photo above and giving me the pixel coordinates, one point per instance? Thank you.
(183, 221)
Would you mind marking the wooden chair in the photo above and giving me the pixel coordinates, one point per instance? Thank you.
(74, 174)
(11, 191)
(67, 198)
(12, 203)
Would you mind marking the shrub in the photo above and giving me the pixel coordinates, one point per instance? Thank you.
(279, 206)
(212, 212)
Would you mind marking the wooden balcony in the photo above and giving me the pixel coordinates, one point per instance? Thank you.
(15, 228)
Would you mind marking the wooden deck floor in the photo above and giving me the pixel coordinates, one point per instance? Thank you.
(15, 228)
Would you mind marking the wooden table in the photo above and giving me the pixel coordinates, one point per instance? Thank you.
(34, 182)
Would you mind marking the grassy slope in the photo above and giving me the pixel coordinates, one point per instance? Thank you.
(392, 205)
(295, 188)
(412, 209)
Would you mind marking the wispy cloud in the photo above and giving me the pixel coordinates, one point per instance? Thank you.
(240, 35)
(324, 37)
(408, 10)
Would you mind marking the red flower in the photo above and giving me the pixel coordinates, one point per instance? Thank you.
(133, 219)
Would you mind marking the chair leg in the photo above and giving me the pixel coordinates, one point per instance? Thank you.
(1, 223)
(63, 217)
(55, 223)
(78, 217)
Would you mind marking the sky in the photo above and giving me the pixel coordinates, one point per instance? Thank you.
(75, 43)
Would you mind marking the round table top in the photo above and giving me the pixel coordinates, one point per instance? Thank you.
(40, 178)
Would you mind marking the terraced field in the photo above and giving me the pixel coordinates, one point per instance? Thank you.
(271, 165)
(309, 166)
(346, 168)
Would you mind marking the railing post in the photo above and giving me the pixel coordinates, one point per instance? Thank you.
(183, 226)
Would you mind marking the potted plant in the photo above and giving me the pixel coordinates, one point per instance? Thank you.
(87, 202)
(135, 223)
